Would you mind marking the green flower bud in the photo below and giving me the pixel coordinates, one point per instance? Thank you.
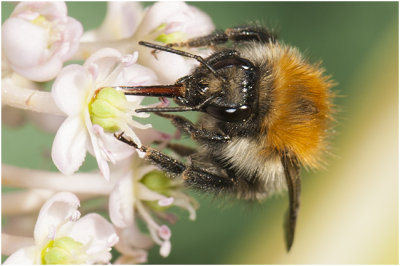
(158, 182)
(106, 107)
(64, 250)
(170, 38)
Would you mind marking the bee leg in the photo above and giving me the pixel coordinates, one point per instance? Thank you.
(181, 150)
(292, 174)
(164, 161)
(235, 34)
(188, 127)
(201, 179)
(194, 177)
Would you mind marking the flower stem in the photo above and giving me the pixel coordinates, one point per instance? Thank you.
(89, 183)
(28, 201)
(11, 244)
(20, 202)
(30, 99)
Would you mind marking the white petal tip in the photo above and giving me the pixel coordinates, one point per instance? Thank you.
(75, 216)
(165, 249)
(166, 202)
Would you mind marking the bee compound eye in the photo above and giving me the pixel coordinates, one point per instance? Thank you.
(229, 114)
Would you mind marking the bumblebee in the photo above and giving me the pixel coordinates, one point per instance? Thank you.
(265, 112)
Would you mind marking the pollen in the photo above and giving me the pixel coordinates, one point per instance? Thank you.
(41, 21)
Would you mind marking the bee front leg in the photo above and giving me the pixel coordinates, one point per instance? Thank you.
(164, 161)
(235, 34)
(188, 127)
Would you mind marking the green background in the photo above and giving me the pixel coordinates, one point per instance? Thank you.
(349, 211)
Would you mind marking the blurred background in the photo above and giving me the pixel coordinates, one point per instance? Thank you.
(349, 211)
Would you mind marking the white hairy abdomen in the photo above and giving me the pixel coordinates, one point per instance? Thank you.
(244, 155)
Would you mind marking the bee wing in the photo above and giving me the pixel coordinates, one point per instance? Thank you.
(292, 174)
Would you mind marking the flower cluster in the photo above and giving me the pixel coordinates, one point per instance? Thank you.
(84, 110)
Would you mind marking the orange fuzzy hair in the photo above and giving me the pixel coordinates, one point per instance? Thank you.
(300, 111)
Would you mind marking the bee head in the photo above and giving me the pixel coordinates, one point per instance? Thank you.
(228, 93)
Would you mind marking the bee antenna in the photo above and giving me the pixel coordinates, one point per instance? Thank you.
(182, 53)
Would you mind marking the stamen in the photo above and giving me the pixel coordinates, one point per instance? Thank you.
(75, 216)
(165, 248)
(130, 59)
(166, 202)
(113, 239)
(52, 232)
(164, 232)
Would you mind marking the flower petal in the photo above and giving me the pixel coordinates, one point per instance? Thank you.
(97, 235)
(162, 65)
(58, 210)
(96, 145)
(51, 9)
(190, 19)
(121, 21)
(121, 203)
(70, 40)
(15, 32)
(69, 146)
(136, 75)
(43, 72)
(131, 238)
(117, 149)
(105, 62)
(70, 88)
(24, 256)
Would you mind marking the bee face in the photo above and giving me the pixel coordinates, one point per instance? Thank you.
(229, 94)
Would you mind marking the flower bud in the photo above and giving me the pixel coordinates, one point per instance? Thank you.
(64, 250)
(107, 107)
(158, 182)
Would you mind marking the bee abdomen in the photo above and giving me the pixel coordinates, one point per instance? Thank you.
(257, 176)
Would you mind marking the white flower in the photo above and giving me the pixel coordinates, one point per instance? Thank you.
(62, 237)
(168, 22)
(74, 92)
(121, 21)
(38, 38)
(143, 190)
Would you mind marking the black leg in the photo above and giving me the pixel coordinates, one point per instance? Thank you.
(181, 150)
(202, 179)
(193, 176)
(188, 127)
(235, 34)
(164, 161)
